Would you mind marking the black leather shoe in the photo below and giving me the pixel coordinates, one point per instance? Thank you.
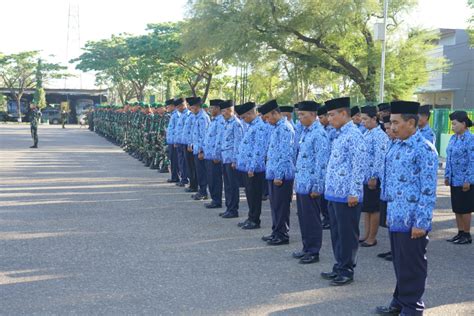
(33, 146)
(172, 181)
(384, 254)
(329, 275)
(277, 241)
(341, 280)
(163, 170)
(265, 197)
(230, 215)
(213, 205)
(389, 257)
(268, 237)
(387, 310)
(454, 238)
(309, 258)
(464, 240)
(180, 184)
(326, 226)
(251, 225)
(199, 197)
(242, 224)
(298, 254)
(189, 190)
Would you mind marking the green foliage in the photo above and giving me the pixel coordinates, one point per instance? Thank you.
(471, 22)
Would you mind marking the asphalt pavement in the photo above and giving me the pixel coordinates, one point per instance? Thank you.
(87, 229)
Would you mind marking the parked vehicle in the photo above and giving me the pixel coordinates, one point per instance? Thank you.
(52, 115)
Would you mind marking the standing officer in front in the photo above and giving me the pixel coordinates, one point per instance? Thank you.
(170, 140)
(344, 190)
(410, 186)
(201, 123)
(35, 116)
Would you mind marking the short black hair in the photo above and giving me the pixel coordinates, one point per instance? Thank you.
(426, 114)
(407, 117)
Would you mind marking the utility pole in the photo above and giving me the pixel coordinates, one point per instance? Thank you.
(384, 45)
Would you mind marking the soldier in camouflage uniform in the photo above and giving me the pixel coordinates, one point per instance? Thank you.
(35, 116)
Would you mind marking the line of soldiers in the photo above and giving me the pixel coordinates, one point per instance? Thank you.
(139, 128)
(339, 162)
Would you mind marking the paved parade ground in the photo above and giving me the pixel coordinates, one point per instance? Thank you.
(87, 229)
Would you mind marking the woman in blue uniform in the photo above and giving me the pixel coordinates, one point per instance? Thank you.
(459, 175)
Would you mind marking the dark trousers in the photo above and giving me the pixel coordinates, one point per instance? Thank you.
(324, 210)
(265, 191)
(190, 168)
(231, 188)
(34, 135)
(173, 158)
(201, 175)
(411, 270)
(309, 217)
(214, 181)
(280, 200)
(344, 236)
(181, 153)
(253, 192)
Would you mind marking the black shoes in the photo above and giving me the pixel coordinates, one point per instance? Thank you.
(329, 275)
(251, 225)
(189, 190)
(265, 197)
(181, 184)
(34, 146)
(298, 254)
(230, 215)
(387, 310)
(172, 181)
(268, 237)
(213, 205)
(454, 238)
(366, 244)
(341, 280)
(242, 224)
(384, 254)
(465, 239)
(199, 197)
(309, 258)
(277, 241)
(326, 226)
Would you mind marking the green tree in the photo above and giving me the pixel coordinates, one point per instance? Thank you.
(18, 73)
(40, 96)
(335, 36)
(471, 21)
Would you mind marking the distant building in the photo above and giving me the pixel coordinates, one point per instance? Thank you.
(77, 99)
(455, 88)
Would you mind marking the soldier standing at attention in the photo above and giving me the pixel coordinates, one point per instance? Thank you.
(344, 190)
(230, 140)
(313, 156)
(424, 124)
(201, 123)
(211, 150)
(251, 162)
(64, 115)
(410, 186)
(279, 171)
(35, 116)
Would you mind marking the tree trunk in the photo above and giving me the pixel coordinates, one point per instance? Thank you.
(208, 86)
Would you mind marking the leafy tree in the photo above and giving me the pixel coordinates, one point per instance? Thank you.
(18, 73)
(40, 96)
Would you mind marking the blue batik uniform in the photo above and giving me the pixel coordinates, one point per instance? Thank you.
(346, 168)
(410, 180)
(332, 133)
(460, 160)
(344, 178)
(200, 126)
(361, 128)
(253, 147)
(428, 134)
(211, 154)
(280, 155)
(377, 143)
(251, 158)
(410, 186)
(212, 139)
(170, 133)
(187, 135)
(313, 156)
(178, 134)
(298, 130)
(230, 139)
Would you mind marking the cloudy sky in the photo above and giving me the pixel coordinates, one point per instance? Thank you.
(43, 25)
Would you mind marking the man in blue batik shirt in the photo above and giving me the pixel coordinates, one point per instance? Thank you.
(251, 161)
(424, 124)
(172, 151)
(186, 141)
(279, 172)
(212, 154)
(181, 149)
(410, 187)
(200, 125)
(313, 156)
(231, 137)
(344, 190)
